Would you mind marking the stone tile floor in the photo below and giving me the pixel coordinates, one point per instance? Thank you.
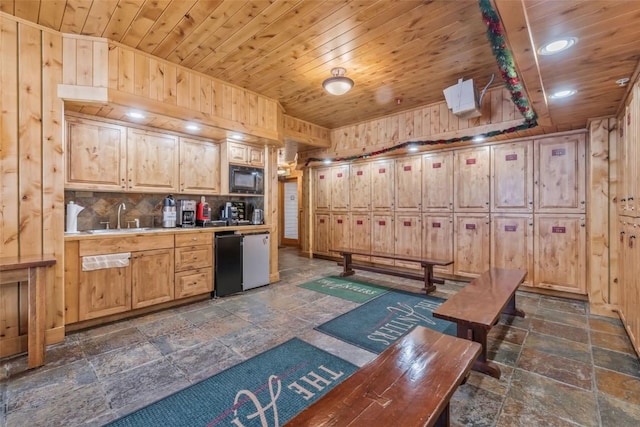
(561, 366)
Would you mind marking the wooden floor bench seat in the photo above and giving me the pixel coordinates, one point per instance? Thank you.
(408, 384)
(478, 306)
(427, 264)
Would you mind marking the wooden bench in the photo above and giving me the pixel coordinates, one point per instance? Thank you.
(477, 307)
(30, 269)
(408, 384)
(427, 265)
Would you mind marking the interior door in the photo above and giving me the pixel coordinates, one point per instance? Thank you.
(290, 208)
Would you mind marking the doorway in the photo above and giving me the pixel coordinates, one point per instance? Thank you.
(290, 207)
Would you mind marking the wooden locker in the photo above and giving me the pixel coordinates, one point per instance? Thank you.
(382, 236)
(322, 234)
(512, 177)
(382, 184)
(622, 173)
(512, 243)
(437, 239)
(560, 252)
(471, 180)
(471, 251)
(360, 187)
(322, 188)
(409, 184)
(437, 182)
(408, 230)
(559, 177)
(340, 232)
(361, 234)
(340, 187)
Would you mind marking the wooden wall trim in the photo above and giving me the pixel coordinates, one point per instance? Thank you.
(305, 132)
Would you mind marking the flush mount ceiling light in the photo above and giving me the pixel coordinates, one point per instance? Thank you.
(565, 93)
(338, 84)
(557, 46)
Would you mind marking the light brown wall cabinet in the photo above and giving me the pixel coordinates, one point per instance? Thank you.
(199, 166)
(245, 154)
(629, 275)
(322, 233)
(361, 234)
(340, 187)
(476, 206)
(340, 231)
(152, 161)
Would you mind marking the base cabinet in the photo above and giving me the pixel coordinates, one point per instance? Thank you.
(104, 292)
(322, 234)
(471, 244)
(512, 243)
(151, 277)
(437, 239)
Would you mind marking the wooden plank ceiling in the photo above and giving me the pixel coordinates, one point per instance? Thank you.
(401, 54)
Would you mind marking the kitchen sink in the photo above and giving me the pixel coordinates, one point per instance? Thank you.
(116, 231)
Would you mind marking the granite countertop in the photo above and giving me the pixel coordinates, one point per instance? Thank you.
(100, 234)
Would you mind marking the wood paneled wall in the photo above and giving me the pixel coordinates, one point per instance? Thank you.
(31, 170)
(305, 132)
(132, 76)
(433, 121)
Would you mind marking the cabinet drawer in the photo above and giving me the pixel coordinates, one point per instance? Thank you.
(192, 257)
(191, 239)
(190, 283)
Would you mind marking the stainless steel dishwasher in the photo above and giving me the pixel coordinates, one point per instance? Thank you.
(255, 266)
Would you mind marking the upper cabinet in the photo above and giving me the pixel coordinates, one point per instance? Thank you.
(199, 166)
(245, 154)
(322, 187)
(152, 161)
(95, 156)
(559, 175)
(382, 184)
(360, 186)
(409, 184)
(471, 180)
(340, 187)
(512, 177)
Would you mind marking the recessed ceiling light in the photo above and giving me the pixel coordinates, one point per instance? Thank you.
(565, 93)
(412, 148)
(478, 138)
(136, 115)
(237, 136)
(192, 127)
(557, 46)
(326, 161)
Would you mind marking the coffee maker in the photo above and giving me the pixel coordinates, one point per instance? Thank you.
(230, 214)
(186, 213)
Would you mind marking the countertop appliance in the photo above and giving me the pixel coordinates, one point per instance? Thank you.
(186, 213)
(203, 213)
(169, 212)
(246, 180)
(229, 214)
(255, 271)
(228, 263)
(257, 217)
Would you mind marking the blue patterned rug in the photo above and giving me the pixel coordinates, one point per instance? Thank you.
(268, 389)
(377, 324)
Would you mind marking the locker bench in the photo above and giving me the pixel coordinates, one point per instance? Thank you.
(427, 265)
(408, 384)
(477, 307)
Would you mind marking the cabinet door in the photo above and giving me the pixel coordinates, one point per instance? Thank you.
(152, 161)
(437, 239)
(193, 282)
(382, 236)
(471, 244)
(199, 166)
(360, 187)
(471, 180)
(255, 156)
(512, 243)
(559, 180)
(340, 232)
(95, 156)
(340, 187)
(408, 238)
(437, 182)
(104, 292)
(152, 277)
(560, 252)
(512, 177)
(361, 234)
(322, 234)
(322, 186)
(237, 153)
(382, 185)
(409, 184)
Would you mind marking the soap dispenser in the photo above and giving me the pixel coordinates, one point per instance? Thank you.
(72, 217)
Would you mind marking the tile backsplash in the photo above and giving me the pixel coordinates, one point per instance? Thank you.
(100, 207)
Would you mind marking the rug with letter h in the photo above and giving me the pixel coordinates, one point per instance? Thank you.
(268, 389)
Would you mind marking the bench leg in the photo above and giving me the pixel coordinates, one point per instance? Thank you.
(443, 419)
(511, 309)
(428, 279)
(346, 265)
(482, 364)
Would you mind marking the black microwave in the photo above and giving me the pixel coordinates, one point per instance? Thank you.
(246, 180)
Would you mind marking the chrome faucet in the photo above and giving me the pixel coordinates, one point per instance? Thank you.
(121, 207)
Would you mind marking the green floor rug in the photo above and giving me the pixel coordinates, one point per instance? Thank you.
(268, 389)
(378, 323)
(349, 289)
